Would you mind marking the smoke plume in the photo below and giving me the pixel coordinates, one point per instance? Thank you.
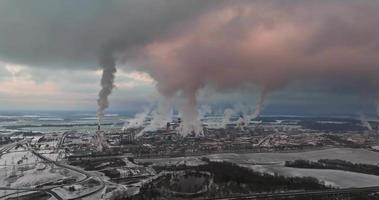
(204, 110)
(258, 107)
(160, 116)
(268, 44)
(187, 45)
(138, 120)
(191, 119)
(228, 114)
(108, 65)
(364, 121)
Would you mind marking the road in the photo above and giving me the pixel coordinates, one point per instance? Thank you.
(32, 190)
(8, 147)
(264, 140)
(87, 175)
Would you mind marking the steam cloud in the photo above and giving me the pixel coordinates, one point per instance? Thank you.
(228, 114)
(187, 45)
(138, 120)
(267, 44)
(364, 121)
(258, 107)
(160, 116)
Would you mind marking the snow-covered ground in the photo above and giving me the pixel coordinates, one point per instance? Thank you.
(21, 168)
(80, 190)
(189, 161)
(273, 163)
(51, 156)
(35, 177)
(348, 154)
(337, 178)
(13, 157)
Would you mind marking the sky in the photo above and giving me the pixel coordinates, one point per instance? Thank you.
(302, 56)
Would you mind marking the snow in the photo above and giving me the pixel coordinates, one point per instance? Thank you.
(80, 190)
(33, 173)
(274, 163)
(51, 156)
(348, 154)
(34, 177)
(189, 161)
(337, 178)
(13, 157)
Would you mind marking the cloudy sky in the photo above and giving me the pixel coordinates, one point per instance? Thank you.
(304, 56)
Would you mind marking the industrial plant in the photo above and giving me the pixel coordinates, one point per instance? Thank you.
(133, 162)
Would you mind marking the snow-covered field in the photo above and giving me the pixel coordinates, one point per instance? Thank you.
(273, 163)
(51, 156)
(21, 168)
(34, 177)
(348, 154)
(13, 157)
(337, 178)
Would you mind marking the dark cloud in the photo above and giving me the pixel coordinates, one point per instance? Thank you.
(72, 33)
(185, 45)
(270, 43)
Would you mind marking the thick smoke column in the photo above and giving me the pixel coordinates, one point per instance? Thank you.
(108, 64)
(191, 123)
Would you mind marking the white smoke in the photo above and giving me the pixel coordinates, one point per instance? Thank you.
(204, 110)
(242, 123)
(138, 120)
(364, 121)
(160, 116)
(228, 114)
(248, 112)
(258, 108)
(191, 123)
